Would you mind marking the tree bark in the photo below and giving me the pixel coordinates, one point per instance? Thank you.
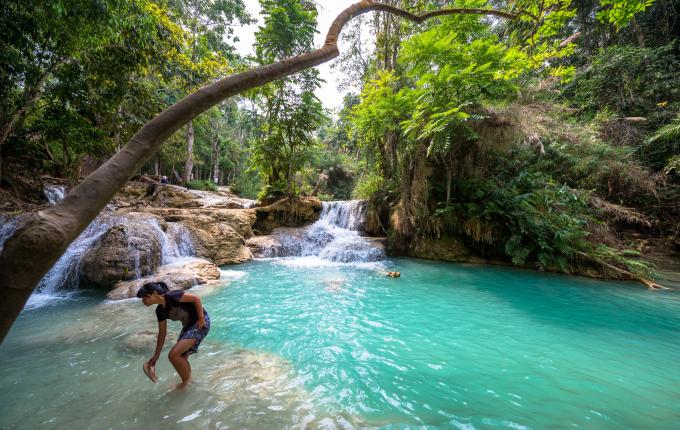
(215, 160)
(189, 162)
(42, 237)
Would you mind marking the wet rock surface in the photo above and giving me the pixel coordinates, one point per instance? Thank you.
(218, 234)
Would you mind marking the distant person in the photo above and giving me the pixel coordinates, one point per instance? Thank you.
(176, 306)
(164, 180)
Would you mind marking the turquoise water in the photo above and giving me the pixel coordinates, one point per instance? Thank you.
(299, 343)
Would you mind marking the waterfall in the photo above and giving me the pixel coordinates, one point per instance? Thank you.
(334, 237)
(183, 244)
(64, 276)
(175, 243)
(54, 193)
(349, 215)
(7, 227)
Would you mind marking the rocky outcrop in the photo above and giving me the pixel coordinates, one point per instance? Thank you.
(284, 242)
(444, 249)
(287, 213)
(151, 193)
(130, 248)
(218, 234)
(181, 275)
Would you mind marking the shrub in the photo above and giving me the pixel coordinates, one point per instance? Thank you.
(368, 185)
(202, 185)
(629, 80)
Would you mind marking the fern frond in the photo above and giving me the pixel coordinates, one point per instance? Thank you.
(667, 133)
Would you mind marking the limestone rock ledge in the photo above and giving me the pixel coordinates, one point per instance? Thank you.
(218, 234)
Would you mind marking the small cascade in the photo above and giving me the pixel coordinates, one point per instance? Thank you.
(334, 237)
(350, 215)
(175, 243)
(184, 244)
(7, 227)
(65, 273)
(54, 193)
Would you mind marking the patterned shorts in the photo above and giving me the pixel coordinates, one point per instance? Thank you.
(193, 332)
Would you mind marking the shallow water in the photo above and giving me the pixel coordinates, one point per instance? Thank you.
(305, 343)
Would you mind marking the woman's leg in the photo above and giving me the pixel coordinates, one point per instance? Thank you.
(181, 362)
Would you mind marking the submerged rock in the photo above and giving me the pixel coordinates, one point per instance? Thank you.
(144, 341)
(180, 275)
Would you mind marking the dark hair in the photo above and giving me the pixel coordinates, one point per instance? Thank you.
(148, 289)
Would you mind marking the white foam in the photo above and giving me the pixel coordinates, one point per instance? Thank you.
(314, 261)
(232, 274)
(39, 300)
(54, 193)
(191, 417)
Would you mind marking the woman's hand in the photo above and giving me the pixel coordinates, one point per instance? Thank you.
(201, 323)
(153, 360)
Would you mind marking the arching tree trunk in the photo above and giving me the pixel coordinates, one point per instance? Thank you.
(42, 237)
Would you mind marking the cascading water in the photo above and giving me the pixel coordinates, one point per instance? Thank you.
(64, 276)
(7, 226)
(334, 237)
(184, 245)
(349, 215)
(54, 193)
(175, 244)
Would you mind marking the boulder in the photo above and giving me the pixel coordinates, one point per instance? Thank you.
(264, 246)
(283, 242)
(181, 275)
(287, 213)
(130, 248)
(219, 242)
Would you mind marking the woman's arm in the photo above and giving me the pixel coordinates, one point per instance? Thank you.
(162, 332)
(192, 298)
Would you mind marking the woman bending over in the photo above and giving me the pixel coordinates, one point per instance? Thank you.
(176, 306)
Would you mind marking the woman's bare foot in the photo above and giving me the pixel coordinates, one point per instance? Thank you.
(182, 385)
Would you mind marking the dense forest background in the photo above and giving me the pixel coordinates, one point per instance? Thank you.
(552, 145)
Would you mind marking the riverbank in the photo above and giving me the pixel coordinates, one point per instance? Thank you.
(148, 225)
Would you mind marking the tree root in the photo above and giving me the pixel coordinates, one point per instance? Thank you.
(630, 275)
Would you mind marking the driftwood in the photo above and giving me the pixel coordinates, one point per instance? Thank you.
(629, 275)
(42, 237)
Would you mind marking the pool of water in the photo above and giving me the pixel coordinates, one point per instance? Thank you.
(303, 343)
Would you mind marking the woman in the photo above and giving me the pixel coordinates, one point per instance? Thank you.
(176, 306)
